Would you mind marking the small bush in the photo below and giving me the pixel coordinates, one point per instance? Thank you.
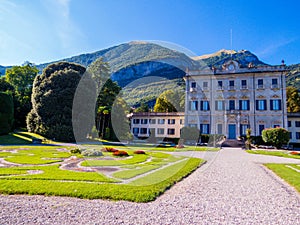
(139, 152)
(120, 153)
(75, 151)
(92, 152)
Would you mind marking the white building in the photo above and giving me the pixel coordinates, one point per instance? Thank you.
(294, 127)
(231, 99)
(156, 124)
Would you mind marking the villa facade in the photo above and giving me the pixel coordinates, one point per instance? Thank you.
(231, 99)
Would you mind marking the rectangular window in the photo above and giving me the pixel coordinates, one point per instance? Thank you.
(181, 121)
(193, 85)
(194, 105)
(171, 121)
(220, 105)
(192, 125)
(297, 123)
(144, 121)
(291, 135)
(260, 83)
(220, 84)
(204, 128)
(275, 104)
(220, 129)
(244, 128)
(289, 123)
(276, 125)
(136, 131)
(152, 121)
(261, 104)
(136, 121)
(171, 131)
(231, 104)
(275, 83)
(231, 84)
(244, 104)
(144, 131)
(297, 135)
(261, 128)
(161, 121)
(244, 84)
(205, 85)
(204, 105)
(160, 131)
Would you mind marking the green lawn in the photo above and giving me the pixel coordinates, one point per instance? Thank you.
(37, 174)
(274, 153)
(289, 175)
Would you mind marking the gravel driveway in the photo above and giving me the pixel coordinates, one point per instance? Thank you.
(232, 188)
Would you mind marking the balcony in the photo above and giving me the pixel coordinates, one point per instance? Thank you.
(233, 112)
(244, 87)
(231, 88)
(274, 86)
(260, 86)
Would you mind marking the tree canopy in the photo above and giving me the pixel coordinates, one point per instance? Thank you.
(6, 113)
(21, 79)
(170, 101)
(293, 99)
(52, 99)
(276, 136)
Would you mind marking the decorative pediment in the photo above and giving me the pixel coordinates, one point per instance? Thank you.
(245, 97)
(193, 98)
(261, 97)
(261, 122)
(245, 122)
(205, 121)
(231, 97)
(220, 97)
(275, 96)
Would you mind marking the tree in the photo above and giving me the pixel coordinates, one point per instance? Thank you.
(293, 99)
(5, 86)
(6, 113)
(21, 78)
(100, 72)
(52, 99)
(248, 139)
(276, 136)
(170, 101)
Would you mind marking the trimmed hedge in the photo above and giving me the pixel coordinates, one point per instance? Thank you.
(6, 113)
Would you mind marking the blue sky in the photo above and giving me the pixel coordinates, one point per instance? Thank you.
(45, 30)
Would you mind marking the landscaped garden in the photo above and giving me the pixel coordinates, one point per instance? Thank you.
(91, 171)
(289, 172)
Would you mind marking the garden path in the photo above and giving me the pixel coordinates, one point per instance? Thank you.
(232, 188)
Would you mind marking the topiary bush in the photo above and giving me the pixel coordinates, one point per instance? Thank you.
(92, 152)
(110, 149)
(120, 153)
(276, 136)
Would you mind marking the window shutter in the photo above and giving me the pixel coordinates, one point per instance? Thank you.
(216, 105)
(248, 104)
(279, 103)
(240, 104)
(271, 104)
(265, 104)
(256, 103)
(208, 106)
(190, 105)
(201, 105)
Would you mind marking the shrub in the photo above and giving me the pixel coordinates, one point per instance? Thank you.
(6, 113)
(75, 151)
(139, 152)
(92, 152)
(276, 136)
(120, 153)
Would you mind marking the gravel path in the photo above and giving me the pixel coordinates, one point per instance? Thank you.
(232, 188)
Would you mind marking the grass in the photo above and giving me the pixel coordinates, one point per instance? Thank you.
(36, 175)
(53, 173)
(97, 190)
(274, 153)
(289, 175)
(33, 154)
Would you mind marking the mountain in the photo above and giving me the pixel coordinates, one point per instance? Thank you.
(134, 60)
(293, 77)
(244, 57)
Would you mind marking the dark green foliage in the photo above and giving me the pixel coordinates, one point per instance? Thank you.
(52, 99)
(170, 101)
(5, 86)
(276, 136)
(293, 99)
(75, 151)
(21, 78)
(6, 113)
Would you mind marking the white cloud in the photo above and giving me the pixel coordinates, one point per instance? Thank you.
(274, 46)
